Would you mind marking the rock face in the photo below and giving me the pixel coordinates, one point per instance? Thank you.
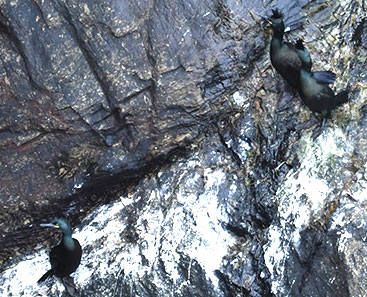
(95, 83)
(161, 131)
(97, 94)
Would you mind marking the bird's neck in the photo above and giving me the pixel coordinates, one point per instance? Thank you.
(278, 34)
(305, 59)
(68, 242)
(277, 40)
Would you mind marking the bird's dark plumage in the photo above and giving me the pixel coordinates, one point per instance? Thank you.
(65, 257)
(283, 55)
(322, 77)
(314, 91)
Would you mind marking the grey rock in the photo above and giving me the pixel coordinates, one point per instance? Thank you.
(161, 131)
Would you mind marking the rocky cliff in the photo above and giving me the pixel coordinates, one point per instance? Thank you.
(181, 158)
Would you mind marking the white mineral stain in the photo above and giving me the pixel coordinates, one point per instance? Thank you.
(191, 227)
(238, 98)
(302, 197)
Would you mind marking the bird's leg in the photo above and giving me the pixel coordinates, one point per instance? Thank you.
(70, 287)
(318, 130)
(323, 124)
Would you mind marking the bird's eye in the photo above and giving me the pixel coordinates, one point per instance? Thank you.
(56, 224)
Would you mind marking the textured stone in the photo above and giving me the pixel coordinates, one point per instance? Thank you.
(162, 132)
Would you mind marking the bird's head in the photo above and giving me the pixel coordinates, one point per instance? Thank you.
(276, 21)
(303, 55)
(61, 224)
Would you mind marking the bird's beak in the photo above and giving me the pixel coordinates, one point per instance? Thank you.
(50, 225)
(268, 26)
(263, 18)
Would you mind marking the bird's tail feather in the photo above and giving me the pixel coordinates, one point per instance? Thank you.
(45, 276)
(342, 97)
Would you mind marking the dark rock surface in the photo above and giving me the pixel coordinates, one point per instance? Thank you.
(97, 94)
(160, 129)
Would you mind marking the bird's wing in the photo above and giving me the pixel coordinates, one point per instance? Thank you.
(55, 259)
(292, 57)
(325, 94)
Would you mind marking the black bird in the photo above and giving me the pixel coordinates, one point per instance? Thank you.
(65, 257)
(322, 77)
(285, 58)
(313, 87)
(283, 55)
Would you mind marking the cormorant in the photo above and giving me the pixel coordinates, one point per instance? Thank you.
(314, 89)
(283, 55)
(322, 77)
(65, 257)
(285, 58)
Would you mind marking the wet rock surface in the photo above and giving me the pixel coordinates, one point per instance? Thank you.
(162, 132)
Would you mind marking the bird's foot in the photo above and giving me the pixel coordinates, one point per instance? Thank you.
(319, 129)
(70, 286)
